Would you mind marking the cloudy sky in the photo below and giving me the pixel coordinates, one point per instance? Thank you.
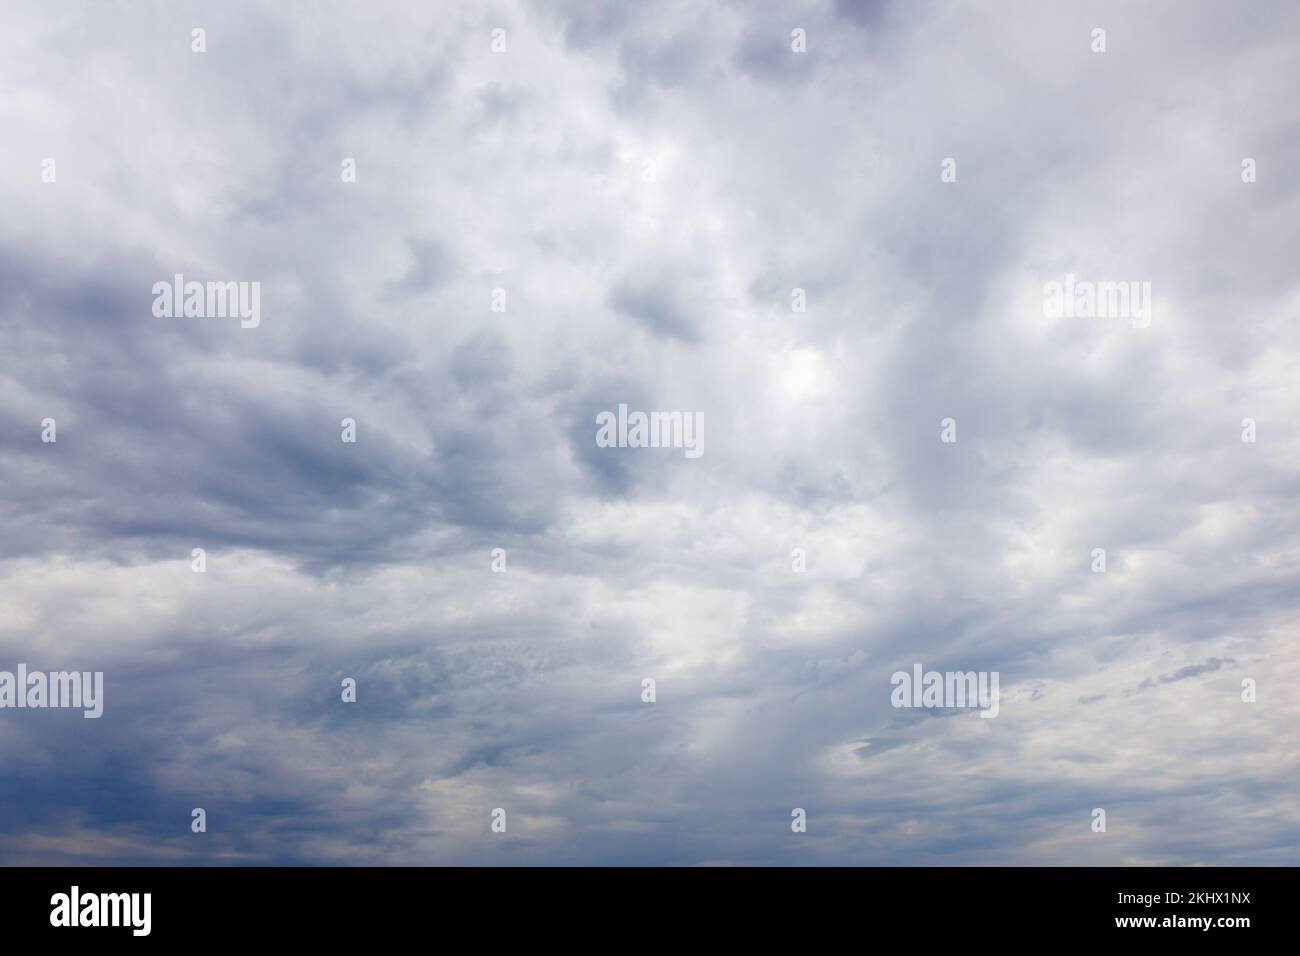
(648, 183)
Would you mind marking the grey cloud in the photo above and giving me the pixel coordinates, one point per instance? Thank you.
(668, 303)
(766, 54)
(476, 431)
(1191, 670)
(431, 267)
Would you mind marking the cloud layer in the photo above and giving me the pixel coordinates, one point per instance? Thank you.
(648, 183)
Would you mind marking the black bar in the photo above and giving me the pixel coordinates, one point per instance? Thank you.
(975, 906)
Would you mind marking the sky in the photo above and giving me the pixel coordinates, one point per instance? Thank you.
(647, 185)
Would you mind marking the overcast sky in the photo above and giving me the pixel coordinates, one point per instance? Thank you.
(648, 183)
